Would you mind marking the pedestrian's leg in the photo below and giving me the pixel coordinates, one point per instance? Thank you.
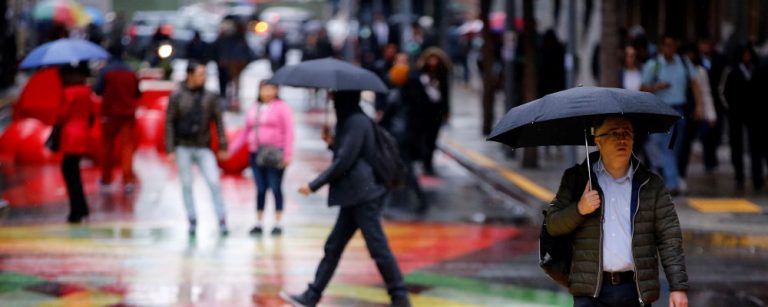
(368, 217)
(736, 140)
(709, 145)
(430, 139)
(78, 206)
(756, 156)
(342, 232)
(668, 160)
(275, 178)
(260, 177)
(108, 133)
(684, 155)
(128, 138)
(184, 165)
(210, 170)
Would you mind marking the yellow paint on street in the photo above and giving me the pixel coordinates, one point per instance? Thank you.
(524, 183)
(534, 189)
(476, 157)
(724, 205)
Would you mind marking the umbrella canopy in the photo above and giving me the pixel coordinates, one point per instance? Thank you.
(63, 51)
(95, 15)
(561, 118)
(67, 12)
(329, 73)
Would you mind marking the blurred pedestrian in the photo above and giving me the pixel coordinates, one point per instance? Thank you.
(669, 77)
(354, 188)
(269, 134)
(197, 49)
(234, 54)
(742, 89)
(118, 85)
(75, 119)
(551, 58)
(397, 119)
(277, 48)
(701, 127)
(428, 90)
(191, 110)
(714, 62)
(631, 206)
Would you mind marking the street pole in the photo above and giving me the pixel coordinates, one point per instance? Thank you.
(508, 55)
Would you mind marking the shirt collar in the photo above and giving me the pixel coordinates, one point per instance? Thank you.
(601, 171)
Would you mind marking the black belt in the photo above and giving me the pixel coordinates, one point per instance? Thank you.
(617, 278)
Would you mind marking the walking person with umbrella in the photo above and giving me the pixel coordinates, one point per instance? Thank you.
(616, 215)
(353, 184)
(354, 188)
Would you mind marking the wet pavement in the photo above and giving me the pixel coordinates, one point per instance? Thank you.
(475, 246)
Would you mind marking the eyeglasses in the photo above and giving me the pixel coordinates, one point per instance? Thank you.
(617, 135)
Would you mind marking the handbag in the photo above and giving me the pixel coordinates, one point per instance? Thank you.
(267, 155)
(54, 139)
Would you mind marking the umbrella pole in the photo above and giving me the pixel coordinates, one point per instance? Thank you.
(589, 167)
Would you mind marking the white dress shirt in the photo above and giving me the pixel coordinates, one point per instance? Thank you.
(617, 220)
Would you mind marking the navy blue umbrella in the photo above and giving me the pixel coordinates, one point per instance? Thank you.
(565, 117)
(561, 118)
(329, 73)
(63, 51)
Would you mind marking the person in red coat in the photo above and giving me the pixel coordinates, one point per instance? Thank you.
(76, 116)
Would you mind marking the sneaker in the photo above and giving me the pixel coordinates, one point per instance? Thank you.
(301, 300)
(277, 231)
(256, 230)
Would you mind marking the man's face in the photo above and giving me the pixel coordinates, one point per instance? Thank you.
(614, 139)
(197, 78)
(668, 47)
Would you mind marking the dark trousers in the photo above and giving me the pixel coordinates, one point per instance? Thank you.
(623, 295)
(428, 141)
(367, 218)
(711, 136)
(267, 178)
(78, 206)
(736, 125)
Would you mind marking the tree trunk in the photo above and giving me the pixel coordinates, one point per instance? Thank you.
(609, 44)
(530, 76)
(489, 57)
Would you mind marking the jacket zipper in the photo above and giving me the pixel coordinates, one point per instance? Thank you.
(634, 264)
(600, 258)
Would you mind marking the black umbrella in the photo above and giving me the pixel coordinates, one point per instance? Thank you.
(329, 73)
(563, 118)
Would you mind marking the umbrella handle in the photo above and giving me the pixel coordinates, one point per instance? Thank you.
(589, 167)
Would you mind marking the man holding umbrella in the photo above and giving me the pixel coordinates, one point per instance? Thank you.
(628, 220)
(612, 220)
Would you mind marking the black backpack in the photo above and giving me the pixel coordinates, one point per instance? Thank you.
(388, 166)
(555, 254)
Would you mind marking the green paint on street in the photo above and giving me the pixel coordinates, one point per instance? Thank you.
(537, 296)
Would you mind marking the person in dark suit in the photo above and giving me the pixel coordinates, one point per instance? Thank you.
(277, 49)
(354, 188)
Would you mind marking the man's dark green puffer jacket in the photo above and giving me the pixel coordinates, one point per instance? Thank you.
(656, 233)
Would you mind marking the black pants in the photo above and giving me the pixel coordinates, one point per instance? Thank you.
(78, 205)
(428, 141)
(367, 218)
(623, 295)
(736, 125)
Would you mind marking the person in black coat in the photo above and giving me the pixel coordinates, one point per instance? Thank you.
(742, 85)
(354, 188)
(428, 91)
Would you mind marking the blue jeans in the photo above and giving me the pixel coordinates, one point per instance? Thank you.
(206, 162)
(267, 178)
(664, 158)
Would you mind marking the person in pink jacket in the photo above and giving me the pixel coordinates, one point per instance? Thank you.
(269, 123)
